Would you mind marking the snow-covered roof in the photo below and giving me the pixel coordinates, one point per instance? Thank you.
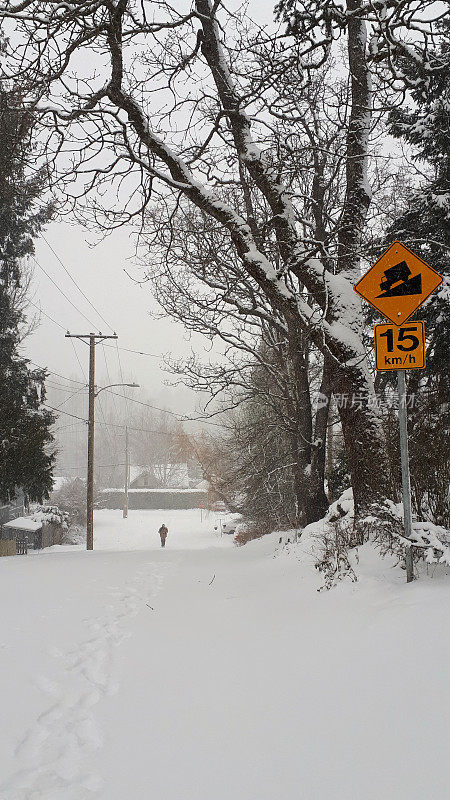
(23, 524)
(135, 472)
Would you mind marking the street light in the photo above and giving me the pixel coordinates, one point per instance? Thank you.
(93, 393)
(110, 385)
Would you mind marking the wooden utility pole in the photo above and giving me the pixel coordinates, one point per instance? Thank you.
(90, 453)
(127, 476)
(92, 337)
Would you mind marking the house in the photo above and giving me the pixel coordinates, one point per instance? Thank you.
(161, 486)
(43, 529)
(15, 508)
(23, 528)
(164, 476)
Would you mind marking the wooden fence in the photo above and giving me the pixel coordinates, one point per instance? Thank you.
(22, 546)
(8, 547)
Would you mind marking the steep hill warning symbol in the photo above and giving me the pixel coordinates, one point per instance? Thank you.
(398, 283)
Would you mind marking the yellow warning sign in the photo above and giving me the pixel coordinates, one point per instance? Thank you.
(398, 283)
(400, 348)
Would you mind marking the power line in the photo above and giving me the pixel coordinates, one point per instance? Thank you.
(60, 387)
(63, 293)
(108, 376)
(121, 378)
(138, 352)
(147, 405)
(71, 425)
(111, 424)
(112, 446)
(111, 443)
(75, 283)
(74, 394)
(108, 391)
(50, 408)
(178, 417)
(131, 399)
(79, 362)
(64, 328)
(41, 311)
(114, 425)
(140, 430)
(73, 380)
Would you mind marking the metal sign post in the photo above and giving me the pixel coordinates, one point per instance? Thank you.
(397, 285)
(406, 482)
(127, 476)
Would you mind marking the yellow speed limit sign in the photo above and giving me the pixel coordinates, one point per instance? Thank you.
(400, 347)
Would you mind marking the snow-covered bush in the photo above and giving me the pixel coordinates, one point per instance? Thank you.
(50, 514)
(429, 542)
(71, 531)
(335, 540)
(71, 499)
(248, 532)
(75, 534)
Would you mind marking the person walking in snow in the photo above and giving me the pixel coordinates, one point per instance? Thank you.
(163, 531)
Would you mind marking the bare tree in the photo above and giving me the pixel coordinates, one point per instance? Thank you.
(200, 282)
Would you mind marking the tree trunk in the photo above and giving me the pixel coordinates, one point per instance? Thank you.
(351, 383)
(330, 446)
(364, 439)
(318, 500)
(309, 455)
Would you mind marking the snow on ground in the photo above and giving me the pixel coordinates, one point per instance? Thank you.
(203, 671)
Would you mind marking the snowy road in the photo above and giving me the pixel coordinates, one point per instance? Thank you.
(203, 671)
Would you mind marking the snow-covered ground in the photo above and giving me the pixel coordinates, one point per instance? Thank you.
(209, 672)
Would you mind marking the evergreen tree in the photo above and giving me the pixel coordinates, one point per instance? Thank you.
(425, 227)
(25, 439)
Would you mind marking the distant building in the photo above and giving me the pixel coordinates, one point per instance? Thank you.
(165, 476)
(154, 498)
(165, 486)
(23, 528)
